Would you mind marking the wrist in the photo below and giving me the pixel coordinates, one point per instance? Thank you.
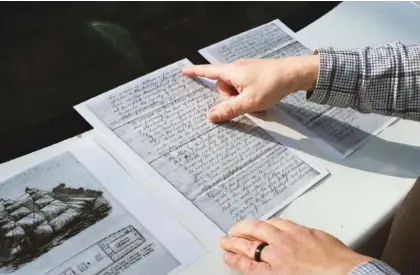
(308, 72)
(351, 261)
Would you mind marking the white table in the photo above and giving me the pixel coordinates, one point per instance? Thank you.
(365, 189)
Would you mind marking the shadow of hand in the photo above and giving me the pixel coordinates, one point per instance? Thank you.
(379, 156)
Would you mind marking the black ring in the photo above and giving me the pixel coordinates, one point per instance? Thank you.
(258, 251)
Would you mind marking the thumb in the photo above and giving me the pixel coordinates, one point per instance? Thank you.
(228, 109)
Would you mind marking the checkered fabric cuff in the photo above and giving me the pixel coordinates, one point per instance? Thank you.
(338, 77)
(383, 80)
(373, 268)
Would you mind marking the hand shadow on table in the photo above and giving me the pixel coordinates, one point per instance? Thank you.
(381, 156)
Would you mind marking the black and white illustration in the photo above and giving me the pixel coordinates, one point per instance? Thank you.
(51, 212)
(38, 220)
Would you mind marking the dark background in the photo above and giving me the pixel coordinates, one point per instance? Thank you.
(56, 55)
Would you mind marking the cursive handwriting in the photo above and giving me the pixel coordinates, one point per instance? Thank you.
(340, 127)
(256, 189)
(143, 95)
(157, 133)
(292, 49)
(250, 44)
(230, 171)
(216, 155)
(300, 109)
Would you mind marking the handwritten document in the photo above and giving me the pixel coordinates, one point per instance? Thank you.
(342, 130)
(252, 43)
(229, 171)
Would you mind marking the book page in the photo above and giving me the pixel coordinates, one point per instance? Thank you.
(65, 215)
(229, 171)
(275, 40)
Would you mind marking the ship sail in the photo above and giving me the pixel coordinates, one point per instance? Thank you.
(52, 210)
(20, 213)
(64, 219)
(25, 200)
(16, 234)
(44, 201)
(44, 230)
(32, 220)
(9, 226)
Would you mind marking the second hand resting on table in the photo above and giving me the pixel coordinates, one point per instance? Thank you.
(342, 78)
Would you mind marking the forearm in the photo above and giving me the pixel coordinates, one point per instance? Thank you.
(383, 80)
(373, 268)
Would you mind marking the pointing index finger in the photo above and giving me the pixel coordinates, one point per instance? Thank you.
(209, 71)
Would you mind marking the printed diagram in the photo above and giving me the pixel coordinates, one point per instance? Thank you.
(112, 255)
(40, 220)
(119, 244)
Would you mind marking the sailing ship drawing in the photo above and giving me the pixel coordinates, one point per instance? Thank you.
(39, 220)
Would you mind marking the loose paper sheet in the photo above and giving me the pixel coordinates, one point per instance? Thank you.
(338, 131)
(229, 171)
(80, 213)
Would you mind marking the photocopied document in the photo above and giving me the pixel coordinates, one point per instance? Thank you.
(337, 130)
(228, 171)
(79, 212)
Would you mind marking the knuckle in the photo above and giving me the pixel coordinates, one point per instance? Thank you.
(288, 222)
(228, 110)
(247, 227)
(235, 260)
(275, 219)
(231, 260)
(313, 232)
(251, 247)
(252, 100)
(250, 266)
(255, 224)
(241, 224)
(240, 61)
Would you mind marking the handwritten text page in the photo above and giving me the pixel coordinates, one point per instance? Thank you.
(229, 171)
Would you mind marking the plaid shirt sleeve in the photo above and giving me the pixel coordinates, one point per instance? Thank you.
(383, 80)
(373, 268)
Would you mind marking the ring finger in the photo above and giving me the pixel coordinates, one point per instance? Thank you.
(243, 247)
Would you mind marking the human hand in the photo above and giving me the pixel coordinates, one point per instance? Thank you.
(292, 250)
(250, 85)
